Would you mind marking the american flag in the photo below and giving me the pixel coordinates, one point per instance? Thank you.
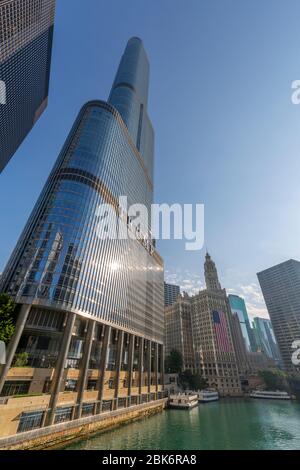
(221, 332)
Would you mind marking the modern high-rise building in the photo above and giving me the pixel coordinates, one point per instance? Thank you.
(215, 355)
(26, 32)
(280, 286)
(171, 293)
(265, 338)
(91, 307)
(238, 306)
(178, 331)
(249, 362)
(241, 351)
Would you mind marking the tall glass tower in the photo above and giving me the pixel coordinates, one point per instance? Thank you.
(265, 338)
(87, 303)
(280, 286)
(238, 306)
(26, 32)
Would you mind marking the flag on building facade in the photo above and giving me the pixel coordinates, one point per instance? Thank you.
(221, 331)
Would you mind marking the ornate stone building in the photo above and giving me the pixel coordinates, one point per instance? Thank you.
(178, 331)
(214, 350)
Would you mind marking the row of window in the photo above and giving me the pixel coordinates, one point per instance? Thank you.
(34, 419)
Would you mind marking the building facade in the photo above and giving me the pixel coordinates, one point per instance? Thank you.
(91, 318)
(280, 286)
(241, 351)
(171, 293)
(238, 307)
(215, 356)
(260, 361)
(265, 338)
(178, 331)
(26, 32)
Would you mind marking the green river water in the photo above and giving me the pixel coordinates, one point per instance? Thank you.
(230, 424)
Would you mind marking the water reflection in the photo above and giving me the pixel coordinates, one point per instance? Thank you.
(232, 424)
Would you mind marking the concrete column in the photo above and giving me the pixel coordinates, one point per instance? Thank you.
(162, 367)
(103, 361)
(118, 365)
(149, 367)
(85, 365)
(130, 367)
(13, 344)
(156, 367)
(60, 366)
(141, 365)
(73, 414)
(44, 419)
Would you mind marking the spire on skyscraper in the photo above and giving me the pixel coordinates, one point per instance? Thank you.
(129, 95)
(211, 274)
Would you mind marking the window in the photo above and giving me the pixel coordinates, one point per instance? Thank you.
(122, 403)
(29, 421)
(92, 384)
(106, 405)
(63, 414)
(12, 387)
(71, 385)
(87, 409)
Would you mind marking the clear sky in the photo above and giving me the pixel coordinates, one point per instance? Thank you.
(227, 134)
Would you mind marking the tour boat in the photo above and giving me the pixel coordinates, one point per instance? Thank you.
(205, 396)
(183, 401)
(277, 395)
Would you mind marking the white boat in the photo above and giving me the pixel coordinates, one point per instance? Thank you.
(270, 395)
(183, 401)
(205, 396)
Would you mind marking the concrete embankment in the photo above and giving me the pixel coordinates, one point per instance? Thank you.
(58, 435)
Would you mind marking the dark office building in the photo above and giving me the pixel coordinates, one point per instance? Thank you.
(171, 292)
(26, 32)
(280, 286)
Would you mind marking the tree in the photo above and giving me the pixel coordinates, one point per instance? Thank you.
(7, 318)
(198, 382)
(173, 362)
(185, 379)
(294, 384)
(191, 381)
(274, 379)
(21, 360)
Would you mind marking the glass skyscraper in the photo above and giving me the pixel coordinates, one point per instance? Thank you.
(280, 286)
(238, 307)
(265, 338)
(172, 291)
(26, 32)
(89, 304)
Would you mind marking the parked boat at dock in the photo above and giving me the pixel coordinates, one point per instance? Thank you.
(270, 395)
(183, 401)
(208, 395)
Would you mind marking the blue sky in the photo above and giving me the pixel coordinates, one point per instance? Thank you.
(227, 134)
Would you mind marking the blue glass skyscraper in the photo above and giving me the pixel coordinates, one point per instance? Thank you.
(172, 291)
(265, 338)
(26, 32)
(87, 303)
(238, 306)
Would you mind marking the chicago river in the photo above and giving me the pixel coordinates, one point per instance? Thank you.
(228, 424)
